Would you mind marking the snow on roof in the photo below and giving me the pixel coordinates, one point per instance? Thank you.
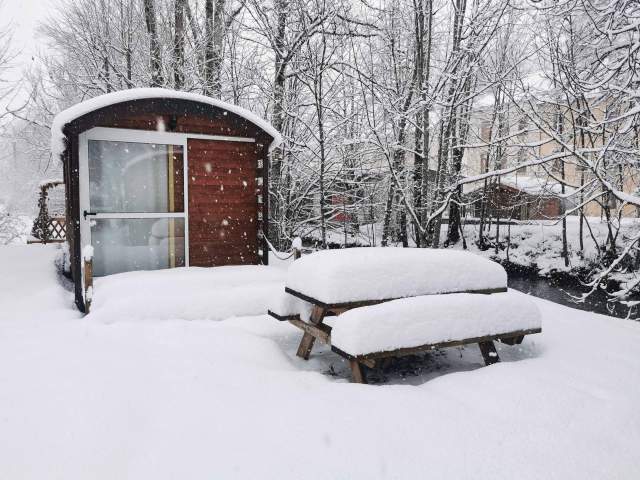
(529, 185)
(82, 108)
(533, 185)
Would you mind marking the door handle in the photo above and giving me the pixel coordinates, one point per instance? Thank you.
(88, 214)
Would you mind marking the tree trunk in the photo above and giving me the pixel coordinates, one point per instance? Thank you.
(447, 132)
(154, 44)
(278, 117)
(433, 229)
(426, 128)
(418, 158)
(565, 250)
(218, 48)
(457, 129)
(178, 47)
(208, 47)
(386, 222)
(455, 222)
(397, 173)
(318, 94)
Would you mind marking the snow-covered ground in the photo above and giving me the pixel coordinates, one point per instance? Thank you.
(121, 398)
(194, 293)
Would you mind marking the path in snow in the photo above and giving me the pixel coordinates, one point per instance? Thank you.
(82, 398)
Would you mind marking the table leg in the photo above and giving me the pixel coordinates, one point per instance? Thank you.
(488, 350)
(357, 374)
(306, 344)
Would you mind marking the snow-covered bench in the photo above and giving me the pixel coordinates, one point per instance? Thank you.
(421, 290)
(413, 325)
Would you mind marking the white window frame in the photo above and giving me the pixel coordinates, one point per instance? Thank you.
(137, 136)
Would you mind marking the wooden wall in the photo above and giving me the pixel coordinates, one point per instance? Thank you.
(223, 207)
(507, 202)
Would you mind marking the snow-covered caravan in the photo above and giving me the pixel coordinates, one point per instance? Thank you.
(160, 179)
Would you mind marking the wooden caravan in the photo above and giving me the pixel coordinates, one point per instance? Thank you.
(161, 179)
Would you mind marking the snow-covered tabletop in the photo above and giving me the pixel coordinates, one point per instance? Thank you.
(334, 277)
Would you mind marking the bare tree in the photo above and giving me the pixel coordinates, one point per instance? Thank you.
(155, 52)
(178, 45)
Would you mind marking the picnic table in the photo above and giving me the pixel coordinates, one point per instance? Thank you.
(354, 283)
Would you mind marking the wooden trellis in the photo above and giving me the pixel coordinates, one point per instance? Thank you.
(48, 229)
(57, 229)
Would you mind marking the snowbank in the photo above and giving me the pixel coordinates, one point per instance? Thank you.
(29, 285)
(186, 293)
(338, 276)
(416, 321)
(82, 108)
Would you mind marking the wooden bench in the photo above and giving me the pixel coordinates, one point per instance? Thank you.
(486, 345)
(315, 329)
(332, 283)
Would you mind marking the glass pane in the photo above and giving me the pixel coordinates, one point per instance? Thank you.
(135, 177)
(126, 244)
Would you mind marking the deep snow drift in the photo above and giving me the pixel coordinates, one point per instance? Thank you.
(186, 293)
(81, 398)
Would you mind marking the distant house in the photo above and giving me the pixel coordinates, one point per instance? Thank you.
(517, 198)
(524, 141)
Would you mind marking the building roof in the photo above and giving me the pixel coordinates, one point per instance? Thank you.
(70, 114)
(529, 185)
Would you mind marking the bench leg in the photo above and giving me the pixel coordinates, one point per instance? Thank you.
(357, 374)
(306, 344)
(488, 350)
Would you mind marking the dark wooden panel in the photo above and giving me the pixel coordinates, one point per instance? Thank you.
(220, 188)
(217, 210)
(239, 183)
(223, 207)
(176, 115)
(220, 236)
(229, 148)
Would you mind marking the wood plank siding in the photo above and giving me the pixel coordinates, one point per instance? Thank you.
(223, 206)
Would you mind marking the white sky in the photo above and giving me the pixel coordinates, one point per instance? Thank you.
(25, 16)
